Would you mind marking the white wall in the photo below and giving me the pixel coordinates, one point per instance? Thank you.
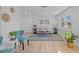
(75, 19)
(19, 21)
(30, 17)
(74, 13)
(27, 22)
(63, 14)
(12, 25)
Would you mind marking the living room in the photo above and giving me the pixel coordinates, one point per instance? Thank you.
(42, 27)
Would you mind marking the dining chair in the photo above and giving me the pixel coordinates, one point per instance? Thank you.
(21, 38)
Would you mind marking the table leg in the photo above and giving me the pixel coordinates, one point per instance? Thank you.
(15, 44)
(20, 43)
(23, 45)
(28, 42)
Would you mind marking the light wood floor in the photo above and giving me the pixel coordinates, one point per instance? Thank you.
(46, 47)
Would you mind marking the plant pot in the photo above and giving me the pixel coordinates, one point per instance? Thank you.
(70, 45)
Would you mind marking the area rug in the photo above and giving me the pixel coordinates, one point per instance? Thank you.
(45, 37)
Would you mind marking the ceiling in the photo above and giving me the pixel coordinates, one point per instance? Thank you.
(39, 11)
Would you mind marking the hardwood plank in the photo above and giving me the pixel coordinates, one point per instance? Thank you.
(47, 47)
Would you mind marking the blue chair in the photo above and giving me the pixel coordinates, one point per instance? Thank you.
(5, 50)
(21, 38)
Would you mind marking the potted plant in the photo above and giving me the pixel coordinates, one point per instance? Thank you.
(70, 37)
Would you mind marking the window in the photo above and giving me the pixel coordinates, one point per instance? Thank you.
(44, 21)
